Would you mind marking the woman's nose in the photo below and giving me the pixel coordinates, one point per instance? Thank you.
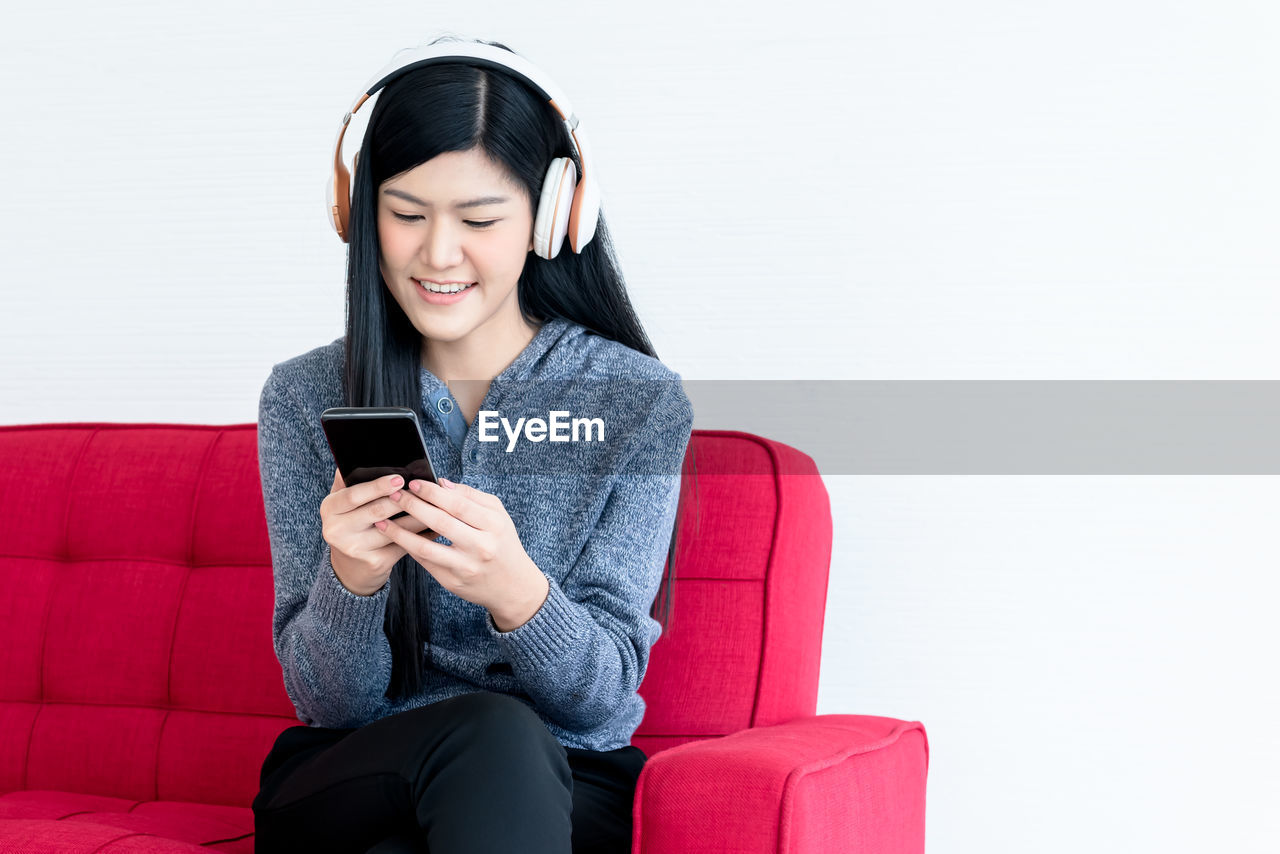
(442, 246)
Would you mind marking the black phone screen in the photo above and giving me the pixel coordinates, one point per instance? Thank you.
(369, 442)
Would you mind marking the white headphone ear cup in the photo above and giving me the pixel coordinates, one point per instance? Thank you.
(588, 214)
(552, 222)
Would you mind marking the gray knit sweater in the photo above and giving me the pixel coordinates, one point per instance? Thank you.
(595, 516)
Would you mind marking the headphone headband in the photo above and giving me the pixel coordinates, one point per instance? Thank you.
(585, 206)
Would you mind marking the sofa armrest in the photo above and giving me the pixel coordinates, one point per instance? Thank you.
(818, 784)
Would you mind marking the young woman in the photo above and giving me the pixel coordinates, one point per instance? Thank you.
(468, 673)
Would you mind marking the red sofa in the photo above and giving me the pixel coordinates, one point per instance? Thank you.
(139, 691)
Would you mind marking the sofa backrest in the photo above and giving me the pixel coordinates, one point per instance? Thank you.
(744, 641)
(135, 623)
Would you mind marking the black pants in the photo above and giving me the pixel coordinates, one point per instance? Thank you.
(475, 773)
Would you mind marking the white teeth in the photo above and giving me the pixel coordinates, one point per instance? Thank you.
(444, 289)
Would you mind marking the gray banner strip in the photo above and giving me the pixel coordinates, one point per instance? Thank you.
(1006, 426)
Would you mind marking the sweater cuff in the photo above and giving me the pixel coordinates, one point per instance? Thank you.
(347, 615)
(548, 636)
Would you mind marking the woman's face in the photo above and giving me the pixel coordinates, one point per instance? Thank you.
(432, 225)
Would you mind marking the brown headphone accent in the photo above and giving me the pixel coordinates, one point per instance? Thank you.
(342, 178)
(576, 205)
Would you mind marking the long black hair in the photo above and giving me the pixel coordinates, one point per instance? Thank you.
(428, 111)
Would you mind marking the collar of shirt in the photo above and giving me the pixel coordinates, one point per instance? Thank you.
(437, 399)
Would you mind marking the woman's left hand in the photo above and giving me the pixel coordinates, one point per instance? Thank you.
(486, 563)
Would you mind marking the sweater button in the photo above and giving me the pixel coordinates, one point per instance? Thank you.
(474, 455)
(445, 405)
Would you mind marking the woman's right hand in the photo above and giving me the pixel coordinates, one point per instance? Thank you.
(362, 556)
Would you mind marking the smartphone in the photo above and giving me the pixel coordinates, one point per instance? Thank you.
(369, 442)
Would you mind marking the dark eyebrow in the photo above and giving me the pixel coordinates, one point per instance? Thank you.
(473, 203)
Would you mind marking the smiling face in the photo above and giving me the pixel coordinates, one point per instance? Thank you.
(456, 218)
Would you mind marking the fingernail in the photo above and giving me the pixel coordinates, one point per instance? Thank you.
(444, 481)
(416, 486)
(397, 481)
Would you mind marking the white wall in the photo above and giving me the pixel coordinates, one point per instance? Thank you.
(1002, 190)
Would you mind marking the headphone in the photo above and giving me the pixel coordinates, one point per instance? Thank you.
(567, 206)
